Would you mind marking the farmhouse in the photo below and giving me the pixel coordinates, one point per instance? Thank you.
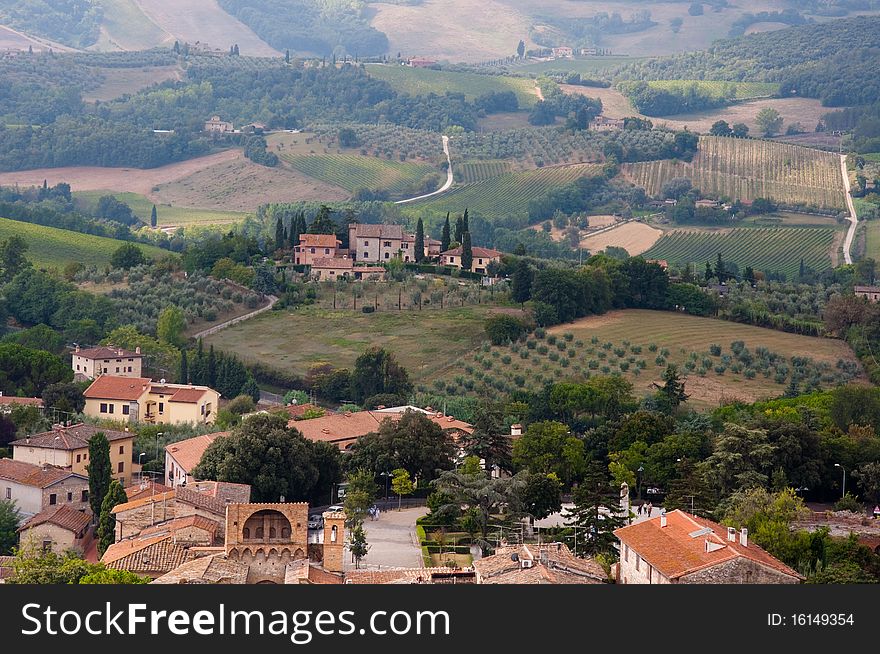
(58, 529)
(105, 360)
(329, 269)
(680, 548)
(605, 124)
(217, 126)
(374, 243)
(37, 488)
(482, 258)
(315, 246)
(418, 62)
(140, 399)
(589, 52)
(872, 293)
(67, 446)
(181, 457)
(563, 51)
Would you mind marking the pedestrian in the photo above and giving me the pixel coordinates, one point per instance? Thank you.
(876, 511)
(648, 509)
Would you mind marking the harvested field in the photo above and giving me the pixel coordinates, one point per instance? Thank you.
(119, 81)
(634, 237)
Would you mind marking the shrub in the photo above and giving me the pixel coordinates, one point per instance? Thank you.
(551, 339)
(554, 356)
(540, 332)
(505, 359)
(660, 361)
(568, 336)
(523, 354)
(715, 350)
(543, 349)
(720, 369)
(531, 344)
(368, 308)
(652, 347)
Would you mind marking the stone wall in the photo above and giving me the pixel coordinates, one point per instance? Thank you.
(739, 571)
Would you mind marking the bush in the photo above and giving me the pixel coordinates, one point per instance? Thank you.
(551, 339)
(543, 349)
(503, 328)
(849, 503)
(368, 308)
(540, 332)
(715, 350)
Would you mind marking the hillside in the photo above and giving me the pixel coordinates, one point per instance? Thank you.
(51, 247)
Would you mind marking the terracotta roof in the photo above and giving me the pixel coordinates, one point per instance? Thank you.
(74, 437)
(189, 452)
(34, 475)
(213, 496)
(363, 230)
(479, 253)
(64, 516)
(392, 575)
(149, 554)
(26, 401)
(213, 569)
(336, 263)
(298, 410)
(675, 551)
(106, 352)
(189, 395)
(144, 501)
(319, 240)
(866, 289)
(109, 387)
(135, 492)
(552, 563)
(186, 522)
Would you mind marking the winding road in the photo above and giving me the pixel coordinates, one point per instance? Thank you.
(853, 216)
(443, 188)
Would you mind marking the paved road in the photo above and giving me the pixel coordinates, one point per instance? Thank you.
(443, 188)
(392, 540)
(853, 216)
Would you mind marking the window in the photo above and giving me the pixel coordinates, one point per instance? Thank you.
(387, 244)
(110, 408)
(451, 259)
(125, 409)
(203, 409)
(85, 496)
(47, 546)
(103, 407)
(77, 367)
(161, 407)
(366, 255)
(53, 499)
(626, 552)
(312, 250)
(70, 496)
(387, 255)
(366, 244)
(78, 458)
(333, 534)
(8, 493)
(121, 467)
(117, 368)
(326, 250)
(122, 449)
(105, 371)
(481, 262)
(638, 561)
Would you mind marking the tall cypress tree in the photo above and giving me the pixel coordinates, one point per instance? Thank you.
(154, 217)
(420, 241)
(465, 226)
(211, 368)
(184, 368)
(107, 521)
(279, 234)
(99, 471)
(467, 253)
(521, 283)
(445, 239)
(459, 230)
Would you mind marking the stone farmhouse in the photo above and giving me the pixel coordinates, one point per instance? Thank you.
(680, 548)
(482, 257)
(58, 529)
(38, 488)
(605, 124)
(217, 126)
(7, 402)
(105, 360)
(140, 399)
(67, 447)
(316, 246)
(871, 293)
(330, 269)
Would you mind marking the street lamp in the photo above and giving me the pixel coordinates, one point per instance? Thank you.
(639, 492)
(843, 492)
(386, 475)
(141, 465)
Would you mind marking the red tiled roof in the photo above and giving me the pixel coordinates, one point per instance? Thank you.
(479, 253)
(189, 452)
(150, 554)
(551, 563)
(144, 501)
(194, 520)
(298, 410)
(135, 492)
(188, 395)
(393, 232)
(26, 401)
(213, 496)
(106, 352)
(34, 475)
(64, 516)
(675, 553)
(108, 387)
(319, 240)
(73, 437)
(336, 263)
(213, 569)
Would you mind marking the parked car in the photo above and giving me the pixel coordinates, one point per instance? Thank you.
(336, 507)
(316, 521)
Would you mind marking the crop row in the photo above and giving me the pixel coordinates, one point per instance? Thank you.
(721, 89)
(353, 172)
(470, 172)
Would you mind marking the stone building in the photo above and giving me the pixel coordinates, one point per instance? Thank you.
(181, 457)
(680, 548)
(38, 488)
(58, 529)
(88, 363)
(548, 563)
(871, 293)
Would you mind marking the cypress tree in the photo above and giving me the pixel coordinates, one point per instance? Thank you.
(420, 241)
(154, 217)
(99, 472)
(279, 234)
(521, 283)
(184, 368)
(211, 371)
(444, 238)
(467, 254)
(287, 56)
(465, 227)
(107, 521)
(459, 230)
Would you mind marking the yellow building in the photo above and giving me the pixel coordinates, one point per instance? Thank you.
(105, 360)
(68, 447)
(142, 400)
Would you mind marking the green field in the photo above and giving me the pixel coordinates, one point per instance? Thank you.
(638, 344)
(426, 342)
(469, 172)
(51, 247)
(508, 195)
(746, 169)
(167, 215)
(421, 81)
(872, 240)
(586, 67)
(728, 90)
(768, 249)
(353, 171)
(127, 26)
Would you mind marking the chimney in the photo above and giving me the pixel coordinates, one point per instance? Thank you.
(137, 350)
(731, 534)
(516, 430)
(662, 517)
(744, 537)
(77, 349)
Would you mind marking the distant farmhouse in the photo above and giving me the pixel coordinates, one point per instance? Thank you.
(563, 52)
(605, 124)
(871, 293)
(105, 360)
(217, 126)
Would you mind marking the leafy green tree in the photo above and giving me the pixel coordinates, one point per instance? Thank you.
(64, 396)
(107, 521)
(672, 391)
(742, 458)
(112, 576)
(360, 494)
(13, 257)
(720, 128)
(159, 354)
(595, 514)
(740, 130)
(377, 371)
(420, 241)
(171, 325)
(547, 447)
(542, 496)
(274, 460)
(28, 372)
(445, 237)
(502, 328)
(490, 440)
(769, 121)
(128, 255)
(521, 49)
(323, 222)
(521, 282)
(467, 252)
(9, 522)
(401, 484)
(99, 471)
(357, 544)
